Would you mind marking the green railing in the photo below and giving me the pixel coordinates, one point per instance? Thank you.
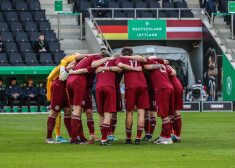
(81, 23)
(25, 70)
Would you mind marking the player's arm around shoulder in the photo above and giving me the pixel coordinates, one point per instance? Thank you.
(137, 58)
(99, 62)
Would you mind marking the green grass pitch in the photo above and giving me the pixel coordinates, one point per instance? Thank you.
(208, 140)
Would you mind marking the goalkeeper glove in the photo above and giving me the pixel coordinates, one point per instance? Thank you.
(63, 74)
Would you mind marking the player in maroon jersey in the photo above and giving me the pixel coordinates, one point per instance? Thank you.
(150, 114)
(76, 85)
(178, 105)
(136, 92)
(164, 92)
(118, 78)
(106, 94)
(59, 100)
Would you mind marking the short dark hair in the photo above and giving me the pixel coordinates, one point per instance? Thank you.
(30, 79)
(105, 55)
(127, 51)
(41, 34)
(1, 79)
(103, 49)
(13, 78)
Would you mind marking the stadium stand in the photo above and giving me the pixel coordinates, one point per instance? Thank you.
(83, 5)
(23, 21)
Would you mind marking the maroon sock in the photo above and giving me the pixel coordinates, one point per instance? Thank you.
(75, 124)
(67, 123)
(105, 131)
(81, 133)
(147, 125)
(139, 132)
(90, 124)
(113, 125)
(101, 129)
(178, 124)
(50, 126)
(166, 125)
(128, 133)
(173, 125)
(152, 124)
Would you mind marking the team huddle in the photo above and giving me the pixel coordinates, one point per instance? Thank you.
(151, 86)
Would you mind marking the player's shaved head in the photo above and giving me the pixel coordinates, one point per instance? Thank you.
(153, 57)
(127, 51)
(116, 56)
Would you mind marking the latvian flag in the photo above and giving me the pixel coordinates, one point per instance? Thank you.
(184, 29)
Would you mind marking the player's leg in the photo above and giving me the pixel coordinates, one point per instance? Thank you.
(90, 124)
(153, 122)
(28, 103)
(140, 125)
(67, 119)
(178, 102)
(178, 126)
(142, 104)
(130, 98)
(50, 126)
(146, 125)
(113, 124)
(106, 128)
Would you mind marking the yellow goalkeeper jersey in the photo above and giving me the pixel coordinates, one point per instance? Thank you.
(55, 73)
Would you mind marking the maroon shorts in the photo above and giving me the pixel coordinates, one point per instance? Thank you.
(165, 102)
(106, 99)
(152, 101)
(59, 97)
(118, 100)
(76, 93)
(178, 99)
(137, 96)
(88, 101)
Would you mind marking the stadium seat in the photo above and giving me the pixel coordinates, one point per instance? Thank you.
(21, 6)
(113, 5)
(35, 6)
(6, 6)
(11, 16)
(3, 26)
(16, 26)
(45, 27)
(119, 14)
(21, 37)
(58, 57)
(54, 47)
(16, 60)
(1, 17)
(7, 37)
(45, 59)
(50, 37)
(154, 5)
(39, 16)
(25, 47)
(146, 15)
(173, 14)
(187, 14)
(34, 36)
(30, 26)
(30, 1)
(11, 47)
(26, 16)
(3, 60)
(31, 59)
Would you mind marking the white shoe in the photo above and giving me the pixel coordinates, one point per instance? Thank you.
(51, 141)
(159, 140)
(166, 142)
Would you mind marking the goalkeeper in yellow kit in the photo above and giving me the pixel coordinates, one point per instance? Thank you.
(59, 71)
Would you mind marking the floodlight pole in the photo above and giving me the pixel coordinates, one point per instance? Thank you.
(232, 26)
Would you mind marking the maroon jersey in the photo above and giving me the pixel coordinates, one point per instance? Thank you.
(118, 78)
(90, 80)
(176, 83)
(106, 78)
(160, 77)
(132, 79)
(83, 63)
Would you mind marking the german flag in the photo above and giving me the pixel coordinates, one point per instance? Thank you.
(114, 30)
